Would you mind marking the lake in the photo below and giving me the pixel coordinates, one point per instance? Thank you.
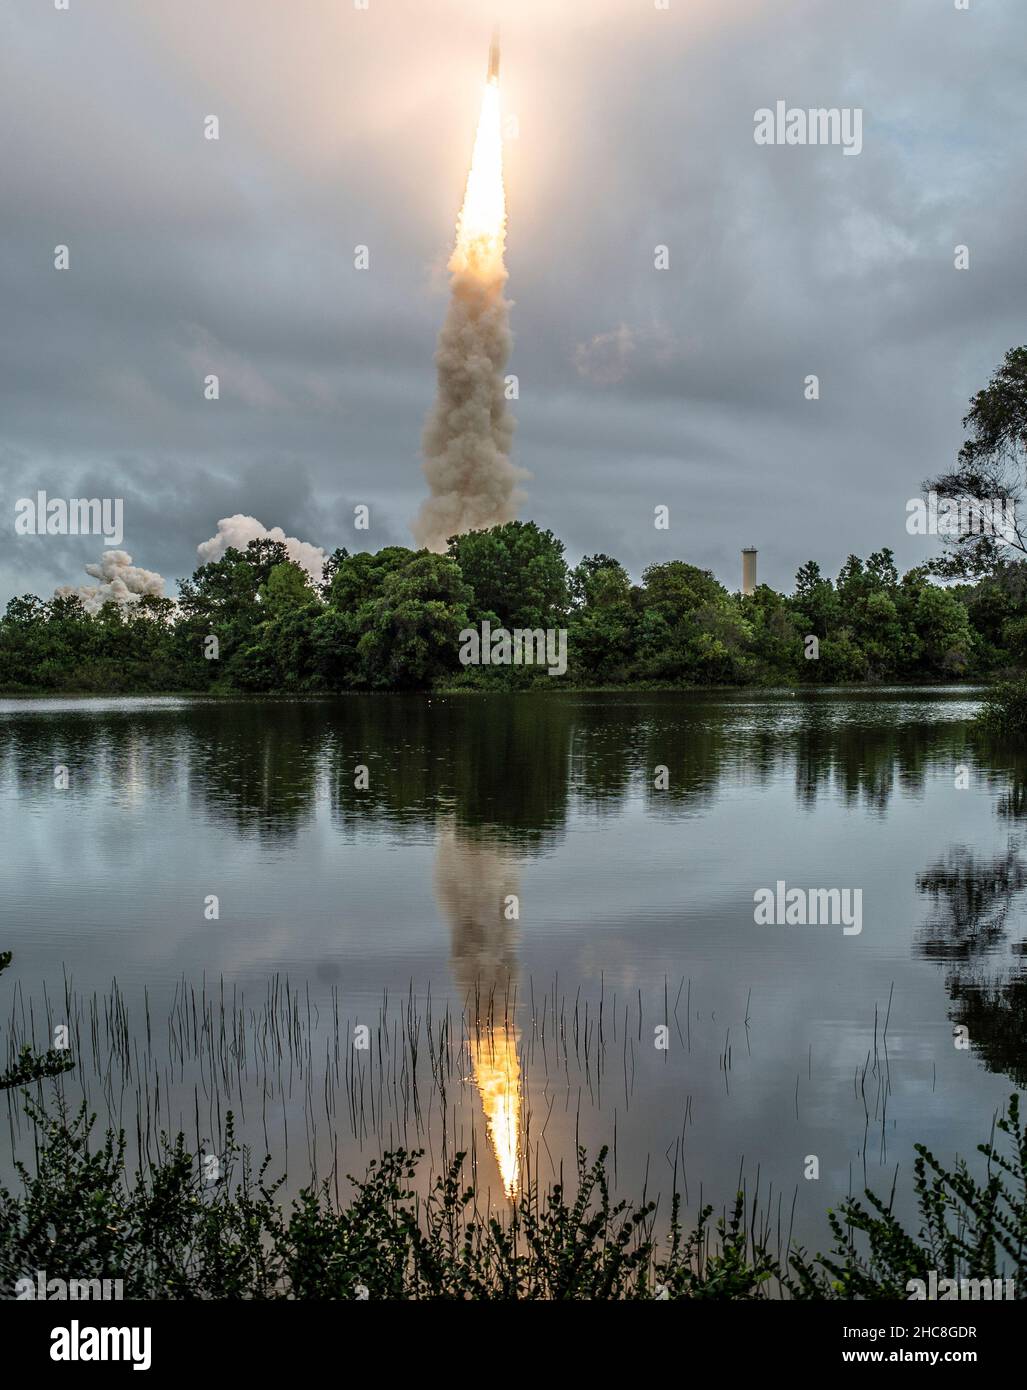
(514, 924)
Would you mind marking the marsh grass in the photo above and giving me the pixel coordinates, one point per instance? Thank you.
(169, 1234)
(421, 1222)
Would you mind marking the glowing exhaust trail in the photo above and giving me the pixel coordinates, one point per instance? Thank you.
(467, 438)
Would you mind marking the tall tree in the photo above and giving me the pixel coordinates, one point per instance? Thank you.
(411, 629)
(992, 468)
(517, 574)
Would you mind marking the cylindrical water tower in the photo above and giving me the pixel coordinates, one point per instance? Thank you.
(749, 570)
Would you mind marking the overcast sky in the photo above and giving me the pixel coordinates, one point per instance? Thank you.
(638, 387)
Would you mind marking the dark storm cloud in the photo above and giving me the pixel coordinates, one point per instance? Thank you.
(638, 387)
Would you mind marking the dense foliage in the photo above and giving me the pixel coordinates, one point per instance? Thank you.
(253, 621)
(168, 1233)
(1004, 710)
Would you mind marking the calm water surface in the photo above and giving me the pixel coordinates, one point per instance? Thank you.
(512, 865)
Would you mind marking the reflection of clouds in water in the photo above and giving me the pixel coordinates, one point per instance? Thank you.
(132, 776)
(473, 881)
(608, 961)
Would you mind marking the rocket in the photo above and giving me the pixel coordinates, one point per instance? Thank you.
(493, 73)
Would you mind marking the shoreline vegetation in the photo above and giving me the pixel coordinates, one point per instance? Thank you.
(314, 696)
(253, 623)
(203, 1221)
(169, 1232)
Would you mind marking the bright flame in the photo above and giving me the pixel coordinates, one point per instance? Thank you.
(497, 1074)
(481, 227)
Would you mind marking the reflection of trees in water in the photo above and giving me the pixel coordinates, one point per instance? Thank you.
(498, 764)
(100, 750)
(515, 766)
(971, 899)
(864, 763)
(510, 766)
(972, 916)
(994, 1014)
(1005, 761)
(255, 767)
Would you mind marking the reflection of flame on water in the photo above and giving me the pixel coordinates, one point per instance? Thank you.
(497, 1074)
(471, 883)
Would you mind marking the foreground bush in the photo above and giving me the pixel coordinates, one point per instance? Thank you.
(168, 1234)
(970, 1230)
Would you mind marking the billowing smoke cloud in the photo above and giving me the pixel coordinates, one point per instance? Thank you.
(239, 530)
(467, 437)
(121, 582)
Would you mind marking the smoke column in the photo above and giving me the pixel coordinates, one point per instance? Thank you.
(467, 437)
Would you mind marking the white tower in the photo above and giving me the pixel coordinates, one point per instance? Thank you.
(749, 569)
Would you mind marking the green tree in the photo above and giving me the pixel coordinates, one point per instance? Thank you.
(603, 625)
(286, 587)
(410, 631)
(941, 630)
(815, 601)
(777, 636)
(517, 575)
(357, 578)
(690, 630)
(992, 467)
(223, 599)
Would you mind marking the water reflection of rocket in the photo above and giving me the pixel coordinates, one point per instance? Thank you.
(472, 882)
(493, 73)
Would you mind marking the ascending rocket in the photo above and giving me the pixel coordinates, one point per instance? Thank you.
(493, 73)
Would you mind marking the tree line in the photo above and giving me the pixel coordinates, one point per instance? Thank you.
(255, 621)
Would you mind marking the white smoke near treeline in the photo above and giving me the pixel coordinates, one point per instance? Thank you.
(468, 435)
(239, 530)
(121, 582)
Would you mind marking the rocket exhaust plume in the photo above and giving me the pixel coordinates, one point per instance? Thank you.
(467, 437)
